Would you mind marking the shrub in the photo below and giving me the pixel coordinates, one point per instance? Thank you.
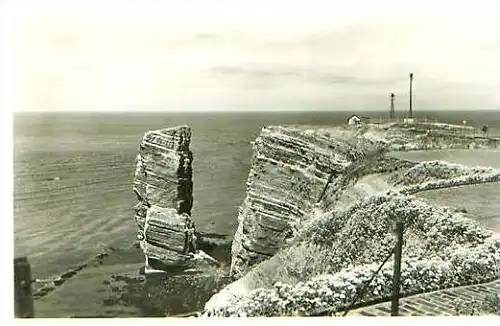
(337, 291)
(339, 252)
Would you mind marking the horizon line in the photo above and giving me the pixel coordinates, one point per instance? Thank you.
(249, 111)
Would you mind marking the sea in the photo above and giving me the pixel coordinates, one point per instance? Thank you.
(73, 175)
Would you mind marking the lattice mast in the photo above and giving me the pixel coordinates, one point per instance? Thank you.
(411, 95)
(392, 113)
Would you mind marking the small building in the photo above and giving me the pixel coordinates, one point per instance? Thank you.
(354, 121)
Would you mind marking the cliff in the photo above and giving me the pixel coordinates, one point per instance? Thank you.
(290, 169)
(296, 169)
(302, 175)
(164, 188)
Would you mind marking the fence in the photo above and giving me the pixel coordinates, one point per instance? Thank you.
(396, 280)
(387, 119)
(23, 296)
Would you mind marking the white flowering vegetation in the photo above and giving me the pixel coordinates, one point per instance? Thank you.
(334, 256)
(439, 174)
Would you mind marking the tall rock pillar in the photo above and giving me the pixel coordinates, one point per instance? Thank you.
(164, 187)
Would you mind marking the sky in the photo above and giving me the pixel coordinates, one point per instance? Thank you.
(149, 55)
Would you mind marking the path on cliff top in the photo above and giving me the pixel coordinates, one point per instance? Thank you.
(438, 303)
(366, 186)
(479, 200)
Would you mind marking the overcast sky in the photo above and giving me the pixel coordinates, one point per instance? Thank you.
(257, 55)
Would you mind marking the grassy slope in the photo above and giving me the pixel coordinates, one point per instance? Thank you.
(307, 258)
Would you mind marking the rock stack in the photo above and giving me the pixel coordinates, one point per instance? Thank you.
(164, 187)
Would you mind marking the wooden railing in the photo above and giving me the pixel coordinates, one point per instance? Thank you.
(396, 279)
(23, 296)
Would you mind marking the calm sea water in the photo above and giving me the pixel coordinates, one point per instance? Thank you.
(73, 175)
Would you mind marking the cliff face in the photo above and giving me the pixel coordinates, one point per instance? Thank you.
(163, 175)
(294, 167)
(290, 169)
(163, 185)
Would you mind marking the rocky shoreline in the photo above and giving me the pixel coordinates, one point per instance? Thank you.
(44, 287)
(113, 283)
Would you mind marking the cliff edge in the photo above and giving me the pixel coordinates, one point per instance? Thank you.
(290, 169)
(300, 169)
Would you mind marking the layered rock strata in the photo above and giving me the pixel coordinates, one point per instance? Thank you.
(298, 170)
(290, 169)
(164, 188)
